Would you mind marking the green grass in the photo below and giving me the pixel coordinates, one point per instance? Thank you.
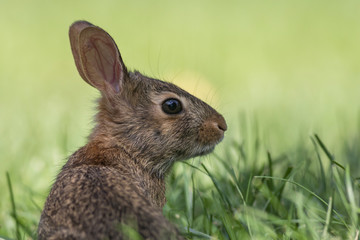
(305, 194)
(291, 68)
(246, 192)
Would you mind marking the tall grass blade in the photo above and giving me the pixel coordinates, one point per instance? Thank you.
(193, 200)
(322, 171)
(354, 210)
(270, 183)
(218, 188)
(13, 206)
(328, 219)
(327, 152)
(286, 176)
(197, 234)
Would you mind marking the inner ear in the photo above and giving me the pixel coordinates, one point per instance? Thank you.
(100, 59)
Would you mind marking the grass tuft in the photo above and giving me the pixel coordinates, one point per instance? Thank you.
(281, 197)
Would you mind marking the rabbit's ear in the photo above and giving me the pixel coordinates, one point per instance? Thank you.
(74, 33)
(97, 57)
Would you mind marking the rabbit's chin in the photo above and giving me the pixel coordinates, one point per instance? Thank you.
(204, 151)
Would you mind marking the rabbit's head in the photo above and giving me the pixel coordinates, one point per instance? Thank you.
(155, 122)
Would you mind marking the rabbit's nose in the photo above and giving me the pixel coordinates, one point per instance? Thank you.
(221, 123)
(212, 129)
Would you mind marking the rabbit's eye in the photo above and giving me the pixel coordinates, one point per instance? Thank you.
(171, 106)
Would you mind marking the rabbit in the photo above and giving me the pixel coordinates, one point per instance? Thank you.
(116, 181)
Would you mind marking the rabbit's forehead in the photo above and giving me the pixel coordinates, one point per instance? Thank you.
(158, 91)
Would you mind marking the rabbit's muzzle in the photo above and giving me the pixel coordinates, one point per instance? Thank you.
(212, 130)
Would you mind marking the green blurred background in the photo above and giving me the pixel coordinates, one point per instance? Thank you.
(291, 66)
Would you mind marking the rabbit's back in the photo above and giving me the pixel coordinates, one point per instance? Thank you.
(97, 202)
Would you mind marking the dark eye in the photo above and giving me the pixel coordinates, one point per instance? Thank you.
(171, 106)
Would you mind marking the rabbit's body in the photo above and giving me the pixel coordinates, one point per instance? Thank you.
(92, 201)
(143, 126)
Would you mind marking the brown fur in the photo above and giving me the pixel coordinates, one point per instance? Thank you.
(118, 177)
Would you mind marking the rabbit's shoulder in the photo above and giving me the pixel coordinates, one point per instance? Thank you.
(105, 198)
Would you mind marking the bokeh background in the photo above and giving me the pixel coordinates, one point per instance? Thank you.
(292, 68)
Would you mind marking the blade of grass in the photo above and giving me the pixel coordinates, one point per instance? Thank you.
(197, 234)
(235, 181)
(322, 171)
(13, 206)
(286, 176)
(228, 226)
(270, 183)
(357, 235)
(273, 204)
(328, 219)
(355, 211)
(248, 188)
(327, 152)
(188, 194)
(216, 184)
(193, 200)
(206, 213)
(195, 167)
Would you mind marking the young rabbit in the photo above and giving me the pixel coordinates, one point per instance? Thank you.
(142, 127)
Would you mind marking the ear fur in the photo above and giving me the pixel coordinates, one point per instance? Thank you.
(97, 57)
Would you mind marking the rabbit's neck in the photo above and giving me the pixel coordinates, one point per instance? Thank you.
(152, 187)
(96, 153)
(151, 156)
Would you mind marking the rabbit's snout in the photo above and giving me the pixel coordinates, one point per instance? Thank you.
(212, 129)
(221, 124)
